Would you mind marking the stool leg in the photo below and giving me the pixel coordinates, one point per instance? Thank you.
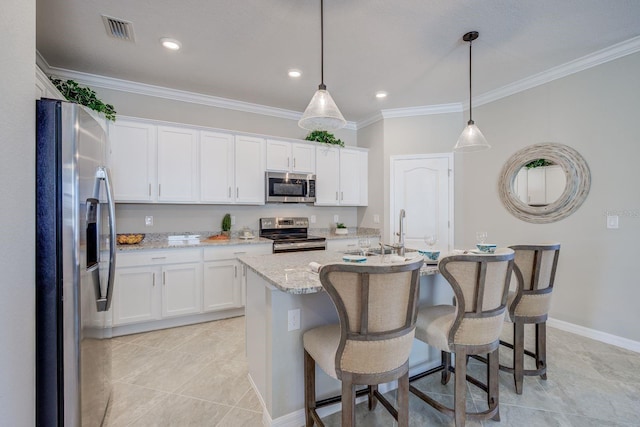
(518, 354)
(309, 388)
(446, 362)
(460, 389)
(403, 400)
(541, 348)
(348, 400)
(373, 401)
(493, 367)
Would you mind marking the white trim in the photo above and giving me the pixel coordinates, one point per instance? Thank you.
(594, 334)
(602, 56)
(425, 110)
(111, 83)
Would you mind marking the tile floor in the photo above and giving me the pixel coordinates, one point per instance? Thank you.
(184, 377)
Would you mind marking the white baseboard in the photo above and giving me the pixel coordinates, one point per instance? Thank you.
(594, 334)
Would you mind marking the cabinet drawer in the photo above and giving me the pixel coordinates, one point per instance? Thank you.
(232, 251)
(171, 256)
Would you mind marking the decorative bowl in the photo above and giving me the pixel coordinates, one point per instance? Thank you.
(486, 248)
(129, 239)
(432, 255)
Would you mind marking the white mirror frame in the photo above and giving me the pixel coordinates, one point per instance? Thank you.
(578, 183)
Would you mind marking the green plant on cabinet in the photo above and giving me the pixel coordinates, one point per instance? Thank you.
(73, 92)
(324, 137)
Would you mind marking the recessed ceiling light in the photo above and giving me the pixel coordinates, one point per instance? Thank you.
(171, 44)
(295, 73)
(381, 94)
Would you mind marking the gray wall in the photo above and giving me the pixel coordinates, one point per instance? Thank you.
(17, 224)
(595, 112)
(182, 218)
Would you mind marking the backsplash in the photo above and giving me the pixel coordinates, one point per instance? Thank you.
(169, 218)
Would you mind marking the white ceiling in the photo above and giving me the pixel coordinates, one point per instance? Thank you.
(242, 49)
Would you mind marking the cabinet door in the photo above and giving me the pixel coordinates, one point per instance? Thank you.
(216, 167)
(136, 295)
(327, 176)
(278, 156)
(536, 186)
(222, 285)
(132, 161)
(181, 286)
(177, 164)
(349, 177)
(304, 158)
(250, 169)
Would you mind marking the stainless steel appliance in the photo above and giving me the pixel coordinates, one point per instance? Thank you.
(290, 235)
(75, 265)
(290, 187)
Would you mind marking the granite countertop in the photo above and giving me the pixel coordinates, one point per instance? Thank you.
(290, 272)
(161, 241)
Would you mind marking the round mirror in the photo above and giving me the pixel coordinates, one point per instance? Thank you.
(544, 183)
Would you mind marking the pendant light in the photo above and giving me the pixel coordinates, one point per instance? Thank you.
(471, 139)
(322, 113)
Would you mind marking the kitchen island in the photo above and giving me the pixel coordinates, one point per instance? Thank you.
(282, 287)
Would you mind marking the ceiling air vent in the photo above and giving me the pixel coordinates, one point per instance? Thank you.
(117, 28)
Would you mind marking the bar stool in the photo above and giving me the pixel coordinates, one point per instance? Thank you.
(535, 271)
(472, 326)
(377, 308)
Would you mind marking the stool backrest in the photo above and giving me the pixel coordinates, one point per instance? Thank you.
(535, 271)
(480, 285)
(377, 307)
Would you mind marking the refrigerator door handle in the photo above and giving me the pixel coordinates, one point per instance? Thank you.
(104, 302)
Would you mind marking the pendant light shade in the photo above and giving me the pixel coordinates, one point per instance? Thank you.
(471, 138)
(322, 113)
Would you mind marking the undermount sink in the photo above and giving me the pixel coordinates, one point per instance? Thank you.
(376, 252)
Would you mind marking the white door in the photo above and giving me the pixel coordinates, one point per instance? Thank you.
(216, 167)
(327, 176)
(177, 164)
(349, 177)
(278, 156)
(181, 289)
(304, 158)
(250, 168)
(422, 185)
(222, 280)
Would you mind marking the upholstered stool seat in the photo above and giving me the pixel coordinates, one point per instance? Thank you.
(377, 306)
(472, 326)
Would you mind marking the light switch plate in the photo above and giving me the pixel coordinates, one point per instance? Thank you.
(293, 320)
(376, 219)
(148, 221)
(612, 221)
(336, 218)
(312, 219)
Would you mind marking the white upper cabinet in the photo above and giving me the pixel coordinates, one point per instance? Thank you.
(284, 156)
(177, 164)
(341, 177)
(132, 161)
(44, 87)
(249, 170)
(217, 170)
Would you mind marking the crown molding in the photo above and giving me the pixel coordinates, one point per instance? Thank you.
(111, 83)
(611, 53)
(600, 57)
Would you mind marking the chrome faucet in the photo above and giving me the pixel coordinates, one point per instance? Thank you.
(400, 233)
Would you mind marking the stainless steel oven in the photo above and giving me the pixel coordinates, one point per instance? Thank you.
(290, 187)
(290, 235)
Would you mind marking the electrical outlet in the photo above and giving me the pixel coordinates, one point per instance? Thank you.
(612, 221)
(336, 218)
(376, 219)
(312, 219)
(233, 220)
(293, 319)
(148, 221)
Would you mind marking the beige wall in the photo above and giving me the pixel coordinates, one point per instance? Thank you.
(595, 112)
(372, 137)
(17, 215)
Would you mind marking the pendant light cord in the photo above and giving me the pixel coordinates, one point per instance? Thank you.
(470, 93)
(322, 86)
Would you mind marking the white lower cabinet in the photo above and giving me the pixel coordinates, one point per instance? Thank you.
(152, 285)
(181, 289)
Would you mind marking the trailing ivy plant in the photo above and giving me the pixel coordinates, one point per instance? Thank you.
(73, 92)
(538, 163)
(325, 137)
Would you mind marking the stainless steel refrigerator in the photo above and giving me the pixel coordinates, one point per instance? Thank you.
(75, 266)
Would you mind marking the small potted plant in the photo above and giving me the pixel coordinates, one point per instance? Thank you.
(341, 228)
(325, 137)
(226, 225)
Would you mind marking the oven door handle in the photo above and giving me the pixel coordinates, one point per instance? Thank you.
(299, 245)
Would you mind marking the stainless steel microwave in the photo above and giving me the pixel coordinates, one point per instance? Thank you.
(290, 187)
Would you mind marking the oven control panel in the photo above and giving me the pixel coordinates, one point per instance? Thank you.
(289, 222)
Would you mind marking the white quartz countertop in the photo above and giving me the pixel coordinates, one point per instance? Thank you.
(290, 272)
